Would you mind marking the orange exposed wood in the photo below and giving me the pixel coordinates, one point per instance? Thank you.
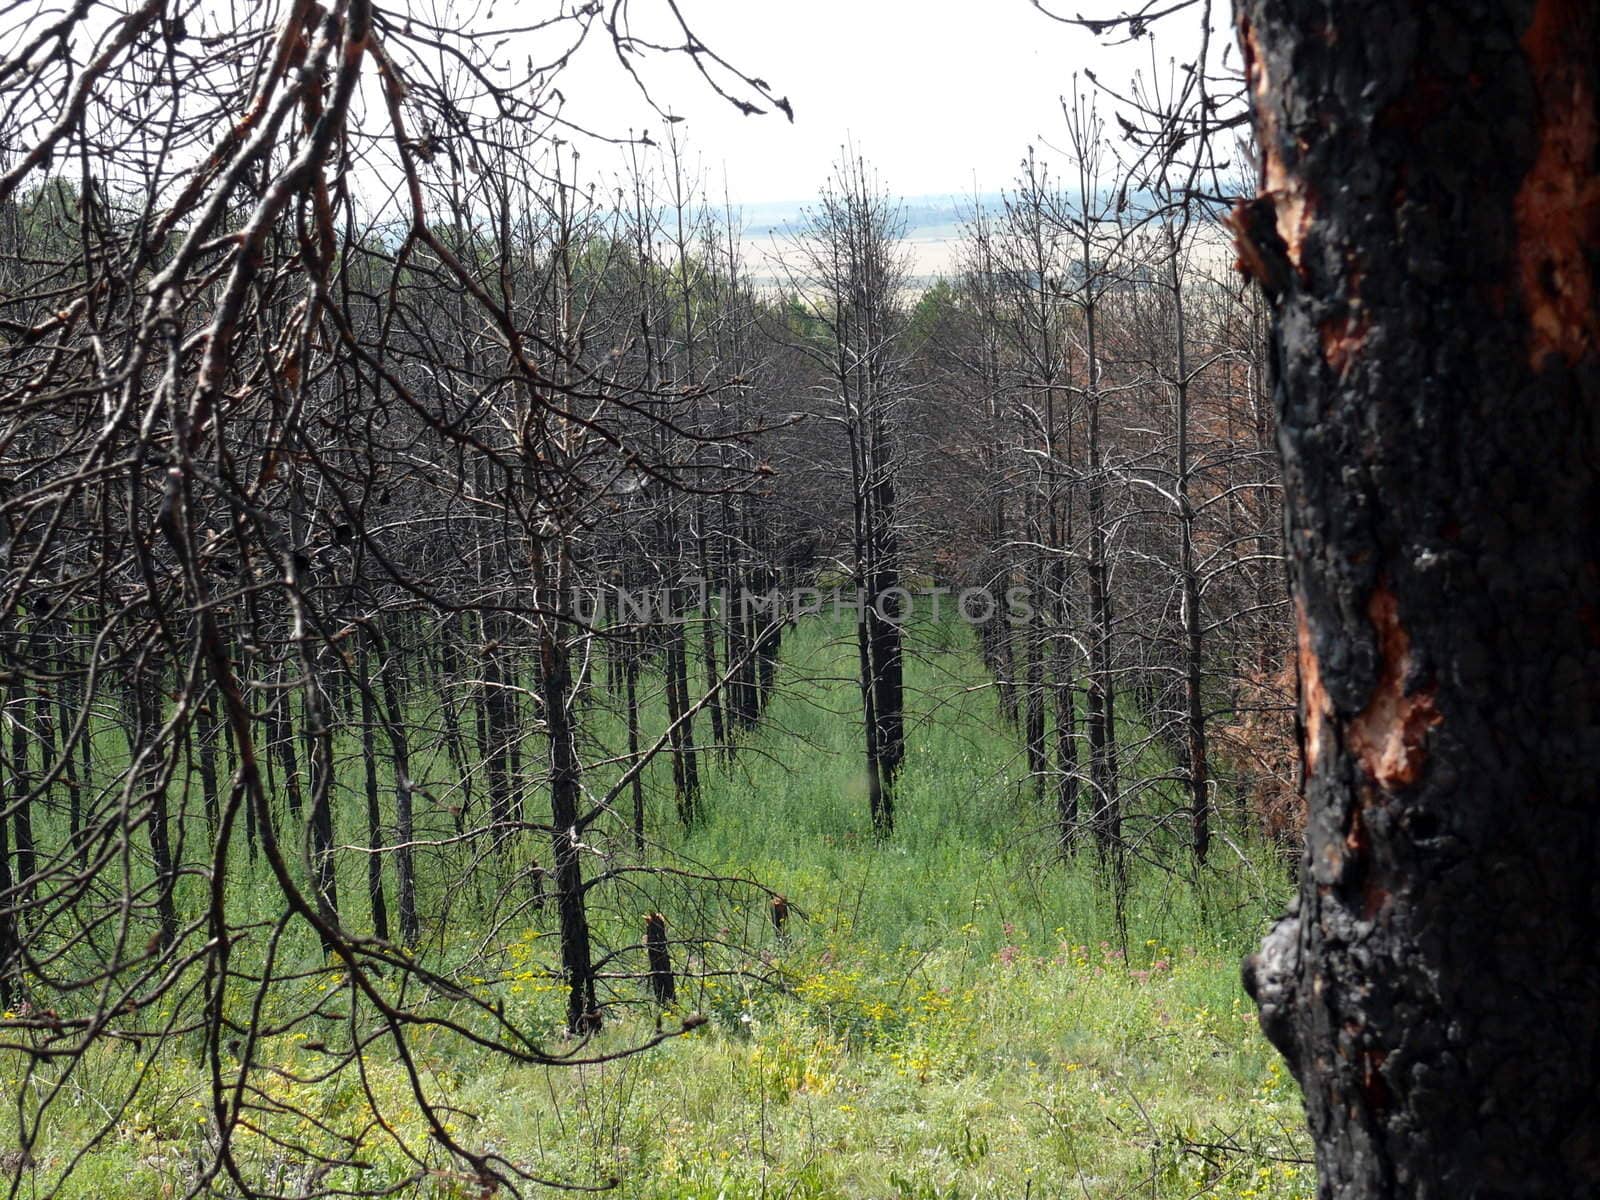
(1290, 200)
(1558, 204)
(1313, 698)
(1342, 339)
(1388, 736)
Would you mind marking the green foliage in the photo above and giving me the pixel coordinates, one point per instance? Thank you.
(937, 304)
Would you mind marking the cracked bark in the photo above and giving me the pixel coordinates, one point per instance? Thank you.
(1429, 228)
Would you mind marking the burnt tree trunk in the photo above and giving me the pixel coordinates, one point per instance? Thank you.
(450, 713)
(1035, 637)
(630, 670)
(1193, 753)
(678, 662)
(1429, 227)
(394, 721)
(583, 1010)
(1102, 690)
(880, 800)
(369, 762)
(500, 724)
(22, 804)
(205, 733)
(1065, 716)
(9, 900)
(147, 702)
(552, 569)
(281, 740)
(683, 789)
(659, 955)
(742, 687)
(889, 608)
(319, 769)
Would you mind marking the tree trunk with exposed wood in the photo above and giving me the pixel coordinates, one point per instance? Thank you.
(1429, 229)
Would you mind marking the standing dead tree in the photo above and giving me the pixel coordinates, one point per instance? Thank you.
(850, 275)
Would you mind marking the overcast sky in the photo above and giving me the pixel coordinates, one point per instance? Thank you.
(938, 94)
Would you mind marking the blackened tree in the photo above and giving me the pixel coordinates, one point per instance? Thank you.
(1428, 228)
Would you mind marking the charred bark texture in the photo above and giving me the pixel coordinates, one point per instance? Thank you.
(583, 1008)
(1431, 198)
(662, 985)
(400, 750)
(369, 762)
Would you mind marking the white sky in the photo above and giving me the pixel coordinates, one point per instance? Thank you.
(939, 95)
(942, 97)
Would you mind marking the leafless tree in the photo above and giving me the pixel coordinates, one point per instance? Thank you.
(850, 278)
(305, 347)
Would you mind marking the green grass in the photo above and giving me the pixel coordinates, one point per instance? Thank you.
(956, 1014)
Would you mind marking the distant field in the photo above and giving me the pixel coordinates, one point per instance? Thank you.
(934, 230)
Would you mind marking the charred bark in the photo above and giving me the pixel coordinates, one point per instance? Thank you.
(636, 786)
(369, 762)
(659, 956)
(1430, 232)
(405, 875)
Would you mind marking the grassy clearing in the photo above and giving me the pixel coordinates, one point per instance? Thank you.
(960, 1018)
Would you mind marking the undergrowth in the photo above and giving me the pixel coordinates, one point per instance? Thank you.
(955, 1012)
